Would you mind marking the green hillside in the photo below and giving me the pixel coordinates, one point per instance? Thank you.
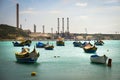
(10, 32)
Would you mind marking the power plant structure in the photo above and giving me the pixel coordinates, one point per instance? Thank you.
(34, 28)
(63, 32)
(58, 25)
(63, 25)
(62, 22)
(52, 30)
(67, 24)
(43, 29)
(20, 26)
(17, 15)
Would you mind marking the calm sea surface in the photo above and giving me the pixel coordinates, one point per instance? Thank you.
(73, 63)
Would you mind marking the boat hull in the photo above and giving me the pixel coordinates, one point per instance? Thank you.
(17, 44)
(77, 44)
(40, 45)
(90, 50)
(26, 60)
(98, 43)
(60, 43)
(27, 57)
(49, 48)
(98, 59)
(26, 43)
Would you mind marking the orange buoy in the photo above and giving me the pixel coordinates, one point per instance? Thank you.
(110, 62)
(33, 74)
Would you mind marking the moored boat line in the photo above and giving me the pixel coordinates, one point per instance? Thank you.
(24, 55)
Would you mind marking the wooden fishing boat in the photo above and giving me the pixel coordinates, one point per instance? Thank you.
(40, 45)
(60, 42)
(25, 56)
(22, 43)
(89, 48)
(98, 59)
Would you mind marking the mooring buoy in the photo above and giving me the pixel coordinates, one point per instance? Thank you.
(109, 62)
(33, 73)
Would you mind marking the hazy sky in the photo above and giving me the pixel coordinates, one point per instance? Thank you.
(97, 16)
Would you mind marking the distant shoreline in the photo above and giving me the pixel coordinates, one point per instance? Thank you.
(10, 33)
(73, 36)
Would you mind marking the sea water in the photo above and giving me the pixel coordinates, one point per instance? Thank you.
(63, 63)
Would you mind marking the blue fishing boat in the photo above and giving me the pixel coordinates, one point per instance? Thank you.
(77, 44)
(22, 43)
(25, 56)
(40, 45)
(99, 42)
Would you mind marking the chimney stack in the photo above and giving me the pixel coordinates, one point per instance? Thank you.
(34, 28)
(67, 24)
(62, 25)
(20, 26)
(17, 15)
(58, 25)
(52, 30)
(43, 29)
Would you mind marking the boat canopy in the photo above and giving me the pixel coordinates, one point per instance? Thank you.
(94, 56)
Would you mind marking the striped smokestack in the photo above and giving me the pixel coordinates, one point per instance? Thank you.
(17, 15)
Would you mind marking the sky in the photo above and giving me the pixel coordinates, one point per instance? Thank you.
(91, 16)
